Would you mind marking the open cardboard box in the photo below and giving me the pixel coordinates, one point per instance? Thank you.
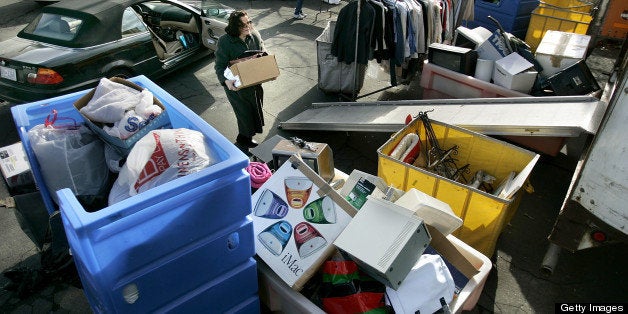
(278, 296)
(297, 216)
(123, 146)
(514, 72)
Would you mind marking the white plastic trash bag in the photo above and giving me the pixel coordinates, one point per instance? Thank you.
(125, 107)
(111, 100)
(159, 157)
(428, 282)
(71, 157)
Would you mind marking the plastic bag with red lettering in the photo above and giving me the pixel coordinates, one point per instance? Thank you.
(159, 157)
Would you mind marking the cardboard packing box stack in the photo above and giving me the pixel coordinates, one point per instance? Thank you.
(496, 62)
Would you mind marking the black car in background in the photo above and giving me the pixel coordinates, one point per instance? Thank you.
(72, 44)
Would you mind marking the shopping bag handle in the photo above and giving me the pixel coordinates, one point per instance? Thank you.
(55, 121)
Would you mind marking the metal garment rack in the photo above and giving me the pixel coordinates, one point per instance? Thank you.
(354, 96)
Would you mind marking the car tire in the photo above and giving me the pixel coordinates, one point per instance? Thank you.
(121, 73)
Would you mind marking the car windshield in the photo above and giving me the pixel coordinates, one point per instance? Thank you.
(211, 8)
(54, 26)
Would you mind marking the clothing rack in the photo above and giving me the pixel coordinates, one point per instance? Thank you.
(458, 8)
(354, 95)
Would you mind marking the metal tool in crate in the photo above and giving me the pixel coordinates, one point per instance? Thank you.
(441, 161)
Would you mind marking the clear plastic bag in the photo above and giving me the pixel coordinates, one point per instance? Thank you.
(71, 156)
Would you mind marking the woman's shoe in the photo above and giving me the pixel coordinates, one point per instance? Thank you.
(246, 141)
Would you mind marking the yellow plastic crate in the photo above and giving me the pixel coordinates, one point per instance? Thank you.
(484, 215)
(545, 18)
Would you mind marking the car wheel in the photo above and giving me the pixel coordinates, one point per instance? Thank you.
(121, 73)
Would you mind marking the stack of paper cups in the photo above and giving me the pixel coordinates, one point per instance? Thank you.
(484, 70)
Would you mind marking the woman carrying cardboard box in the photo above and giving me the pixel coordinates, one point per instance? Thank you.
(247, 102)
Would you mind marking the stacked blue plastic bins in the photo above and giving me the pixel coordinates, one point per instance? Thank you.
(185, 246)
(513, 15)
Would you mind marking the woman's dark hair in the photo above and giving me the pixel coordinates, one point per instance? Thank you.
(234, 25)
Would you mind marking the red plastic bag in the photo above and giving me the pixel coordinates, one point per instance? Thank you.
(346, 290)
(361, 302)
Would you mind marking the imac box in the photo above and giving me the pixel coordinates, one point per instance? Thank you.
(385, 239)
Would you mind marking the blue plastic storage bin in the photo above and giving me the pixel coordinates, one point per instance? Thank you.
(231, 293)
(509, 7)
(27, 116)
(513, 15)
(127, 281)
(516, 25)
(171, 243)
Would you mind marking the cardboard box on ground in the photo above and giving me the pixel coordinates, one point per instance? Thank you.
(15, 167)
(256, 70)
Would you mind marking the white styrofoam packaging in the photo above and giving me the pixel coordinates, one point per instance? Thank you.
(432, 210)
(514, 72)
(559, 50)
(476, 35)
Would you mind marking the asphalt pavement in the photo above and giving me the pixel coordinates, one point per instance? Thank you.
(516, 282)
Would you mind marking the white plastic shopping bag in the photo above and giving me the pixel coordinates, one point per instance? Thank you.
(159, 157)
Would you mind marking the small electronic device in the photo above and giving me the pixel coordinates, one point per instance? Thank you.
(471, 38)
(458, 59)
(317, 156)
(385, 239)
(576, 79)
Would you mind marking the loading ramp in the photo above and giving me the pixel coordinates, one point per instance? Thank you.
(520, 116)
